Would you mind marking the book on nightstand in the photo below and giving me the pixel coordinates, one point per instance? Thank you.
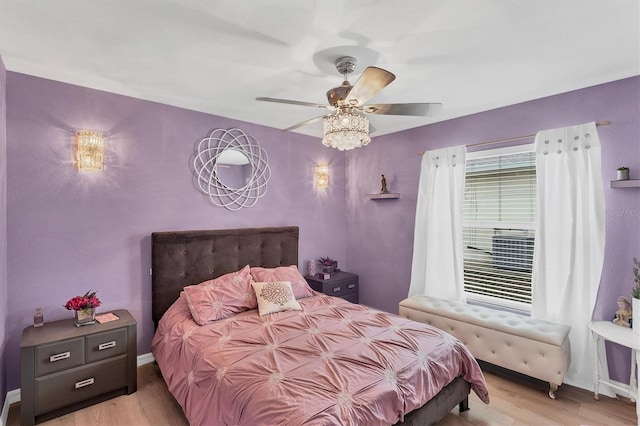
(108, 317)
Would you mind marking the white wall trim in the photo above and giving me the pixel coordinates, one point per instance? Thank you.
(13, 396)
(145, 359)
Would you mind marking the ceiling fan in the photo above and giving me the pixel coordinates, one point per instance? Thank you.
(346, 126)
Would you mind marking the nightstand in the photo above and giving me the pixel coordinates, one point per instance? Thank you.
(65, 368)
(340, 284)
(606, 330)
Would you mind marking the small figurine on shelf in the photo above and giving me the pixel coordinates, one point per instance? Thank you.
(383, 188)
(623, 314)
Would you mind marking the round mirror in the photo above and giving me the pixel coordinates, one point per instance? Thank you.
(233, 169)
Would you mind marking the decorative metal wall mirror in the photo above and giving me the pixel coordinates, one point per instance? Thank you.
(231, 168)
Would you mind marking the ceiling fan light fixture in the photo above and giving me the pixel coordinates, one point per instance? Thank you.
(346, 130)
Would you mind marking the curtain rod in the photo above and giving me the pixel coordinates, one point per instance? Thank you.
(517, 138)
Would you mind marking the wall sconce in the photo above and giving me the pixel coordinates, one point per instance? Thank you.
(322, 175)
(89, 151)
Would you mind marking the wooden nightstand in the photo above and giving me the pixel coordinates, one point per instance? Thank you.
(64, 367)
(341, 284)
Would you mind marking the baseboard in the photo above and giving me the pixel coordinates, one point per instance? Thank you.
(14, 395)
(11, 398)
(145, 359)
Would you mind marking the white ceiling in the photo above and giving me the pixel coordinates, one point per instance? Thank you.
(218, 56)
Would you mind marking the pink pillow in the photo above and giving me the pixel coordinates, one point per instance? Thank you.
(221, 297)
(284, 273)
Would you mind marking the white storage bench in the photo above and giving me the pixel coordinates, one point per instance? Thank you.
(529, 346)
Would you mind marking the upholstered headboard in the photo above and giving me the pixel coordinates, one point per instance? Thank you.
(184, 258)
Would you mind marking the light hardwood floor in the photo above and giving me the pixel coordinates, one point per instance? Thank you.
(515, 400)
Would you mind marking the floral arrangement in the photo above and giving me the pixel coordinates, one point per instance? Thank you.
(328, 265)
(83, 303)
(636, 277)
(326, 261)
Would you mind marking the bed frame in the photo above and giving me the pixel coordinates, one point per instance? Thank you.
(184, 258)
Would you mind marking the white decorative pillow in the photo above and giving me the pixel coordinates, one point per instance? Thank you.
(275, 296)
(284, 273)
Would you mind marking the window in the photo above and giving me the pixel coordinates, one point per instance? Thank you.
(498, 225)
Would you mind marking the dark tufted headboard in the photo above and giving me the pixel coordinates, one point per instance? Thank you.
(183, 258)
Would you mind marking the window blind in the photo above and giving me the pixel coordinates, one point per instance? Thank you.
(498, 226)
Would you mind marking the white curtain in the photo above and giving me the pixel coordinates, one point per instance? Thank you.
(437, 268)
(570, 238)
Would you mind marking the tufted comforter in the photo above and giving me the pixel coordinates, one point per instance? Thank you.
(331, 363)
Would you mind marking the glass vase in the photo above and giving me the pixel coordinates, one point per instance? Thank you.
(85, 316)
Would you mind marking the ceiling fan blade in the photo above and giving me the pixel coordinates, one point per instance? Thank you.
(371, 81)
(304, 123)
(287, 101)
(415, 109)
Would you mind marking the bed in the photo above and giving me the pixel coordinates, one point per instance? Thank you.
(331, 362)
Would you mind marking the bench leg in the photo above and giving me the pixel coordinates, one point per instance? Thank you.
(552, 390)
(464, 405)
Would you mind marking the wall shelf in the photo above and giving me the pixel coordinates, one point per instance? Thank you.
(629, 183)
(388, 196)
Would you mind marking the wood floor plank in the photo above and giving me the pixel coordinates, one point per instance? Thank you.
(516, 400)
(526, 401)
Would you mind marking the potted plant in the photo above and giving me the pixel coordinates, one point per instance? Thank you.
(84, 308)
(636, 296)
(623, 173)
(328, 265)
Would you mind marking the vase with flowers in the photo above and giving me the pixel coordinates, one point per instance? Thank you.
(635, 300)
(84, 308)
(328, 265)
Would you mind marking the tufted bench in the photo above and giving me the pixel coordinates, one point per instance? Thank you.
(529, 346)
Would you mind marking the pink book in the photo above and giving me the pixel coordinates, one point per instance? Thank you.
(107, 317)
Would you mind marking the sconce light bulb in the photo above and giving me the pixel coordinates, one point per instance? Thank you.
(322, 176)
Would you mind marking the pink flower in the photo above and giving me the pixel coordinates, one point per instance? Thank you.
(326, 261)
(80, 303)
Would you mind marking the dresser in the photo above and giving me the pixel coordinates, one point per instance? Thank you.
(64, 367)
(340, 284)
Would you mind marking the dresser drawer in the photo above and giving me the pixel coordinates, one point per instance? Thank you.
(339, 288)
(350, 285)
(59, 356)
(80, 383)
(106, 344)
(340, 284)
(353, 298)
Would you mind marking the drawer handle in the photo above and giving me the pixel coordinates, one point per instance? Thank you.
(59, 357)
(351, 286)
(103, 346)
(337, 289)
(86, 382)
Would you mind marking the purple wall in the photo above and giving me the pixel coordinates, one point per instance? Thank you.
(69, 232)
(3, 229)
(388, 225)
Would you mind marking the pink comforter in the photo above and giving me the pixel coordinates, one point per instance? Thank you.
(332, 363)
